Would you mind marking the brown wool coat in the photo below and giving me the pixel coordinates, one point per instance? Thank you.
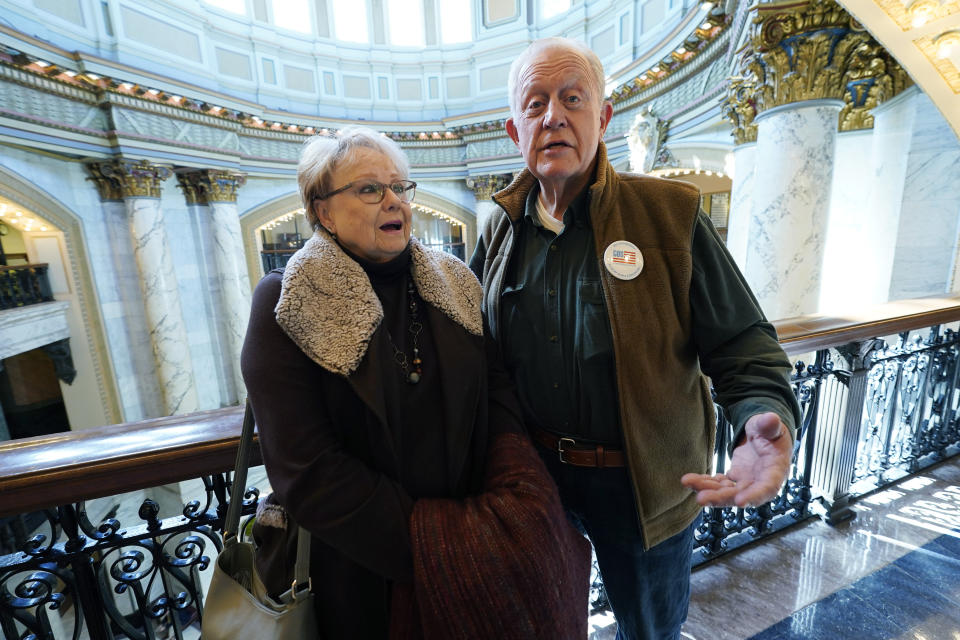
(666, 411)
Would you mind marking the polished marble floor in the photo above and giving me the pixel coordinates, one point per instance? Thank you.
(890, 573)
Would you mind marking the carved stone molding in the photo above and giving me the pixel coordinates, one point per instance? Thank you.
(62, 358)
(485, 186)
(121, 179)
(210, 185)
(811, 50)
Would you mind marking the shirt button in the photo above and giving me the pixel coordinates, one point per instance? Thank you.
(554, 339)
(552, 292)
(556, 385)
(553, 247)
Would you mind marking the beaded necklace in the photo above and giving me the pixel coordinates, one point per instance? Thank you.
(413, 373)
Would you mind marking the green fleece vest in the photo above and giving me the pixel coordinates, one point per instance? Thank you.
(666, 411)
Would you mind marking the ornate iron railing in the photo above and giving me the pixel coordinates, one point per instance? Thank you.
(880, 398)
(138, 575)
(24, 284)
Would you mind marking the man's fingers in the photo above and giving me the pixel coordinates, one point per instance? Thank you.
(700, 482)
(722, 497)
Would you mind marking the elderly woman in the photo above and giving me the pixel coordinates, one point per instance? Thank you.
(376, 397)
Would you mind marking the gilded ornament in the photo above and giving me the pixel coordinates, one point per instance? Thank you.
(811, 51)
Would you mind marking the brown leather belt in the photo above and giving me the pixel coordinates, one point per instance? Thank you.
(578, 454)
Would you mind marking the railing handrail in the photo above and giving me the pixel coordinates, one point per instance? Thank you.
(46, 471)
(803, 334)
(19, 267)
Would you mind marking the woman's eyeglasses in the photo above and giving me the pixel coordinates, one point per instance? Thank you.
(372, 192)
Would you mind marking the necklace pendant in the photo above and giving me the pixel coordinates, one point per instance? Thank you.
(413, 378)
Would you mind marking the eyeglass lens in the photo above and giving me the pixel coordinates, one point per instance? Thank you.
(373, 192)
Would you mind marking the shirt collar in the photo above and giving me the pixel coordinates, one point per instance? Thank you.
(577, 213)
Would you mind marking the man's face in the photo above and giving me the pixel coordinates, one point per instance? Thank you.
(559, 116)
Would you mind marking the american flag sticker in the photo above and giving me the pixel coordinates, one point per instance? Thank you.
(623, 259)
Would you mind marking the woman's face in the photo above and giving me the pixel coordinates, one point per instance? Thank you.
(375, 232)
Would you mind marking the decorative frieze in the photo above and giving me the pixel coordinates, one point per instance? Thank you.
(209, 185)
(485, 186)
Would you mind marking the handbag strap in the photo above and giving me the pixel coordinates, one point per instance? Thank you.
(231, 523)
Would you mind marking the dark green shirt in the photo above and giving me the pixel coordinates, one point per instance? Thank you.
(556, 336)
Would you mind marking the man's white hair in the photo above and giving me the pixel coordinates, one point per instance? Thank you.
(568, 44)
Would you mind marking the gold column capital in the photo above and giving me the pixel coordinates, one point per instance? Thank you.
(810, 50)
(204, 186)
(128, 178)
(107, 186)
(485, 186)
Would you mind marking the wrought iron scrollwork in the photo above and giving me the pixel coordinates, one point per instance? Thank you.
(141, 579)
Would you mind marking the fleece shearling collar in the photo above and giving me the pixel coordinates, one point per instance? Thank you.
(329, 308)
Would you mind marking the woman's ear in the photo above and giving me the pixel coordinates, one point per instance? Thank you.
(323, 216)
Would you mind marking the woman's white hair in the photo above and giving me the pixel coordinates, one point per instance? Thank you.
(322, 155)
(557, 42)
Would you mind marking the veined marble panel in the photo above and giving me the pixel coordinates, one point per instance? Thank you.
(791, 197)
(162, 301)
(927, 240)
(741, 203)
(30, 327)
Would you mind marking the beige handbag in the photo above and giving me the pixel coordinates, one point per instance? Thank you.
(237, 606)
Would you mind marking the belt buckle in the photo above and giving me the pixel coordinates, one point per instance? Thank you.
(571, 443)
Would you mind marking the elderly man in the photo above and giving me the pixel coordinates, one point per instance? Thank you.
(612, 297)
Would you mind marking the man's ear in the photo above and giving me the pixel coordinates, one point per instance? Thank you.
(606, 113)
(512, 131)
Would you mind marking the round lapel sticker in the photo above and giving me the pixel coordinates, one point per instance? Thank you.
(623, 260)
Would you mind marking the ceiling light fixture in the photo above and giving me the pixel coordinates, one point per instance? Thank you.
(947, 43)
(921, 11)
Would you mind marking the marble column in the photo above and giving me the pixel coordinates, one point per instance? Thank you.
(217, 191)
(140, 184)
(741, 202)
(791, 198)
(740, 110)
(806, 70)
(483, 187)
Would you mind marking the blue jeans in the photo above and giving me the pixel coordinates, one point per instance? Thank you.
(648, 590)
